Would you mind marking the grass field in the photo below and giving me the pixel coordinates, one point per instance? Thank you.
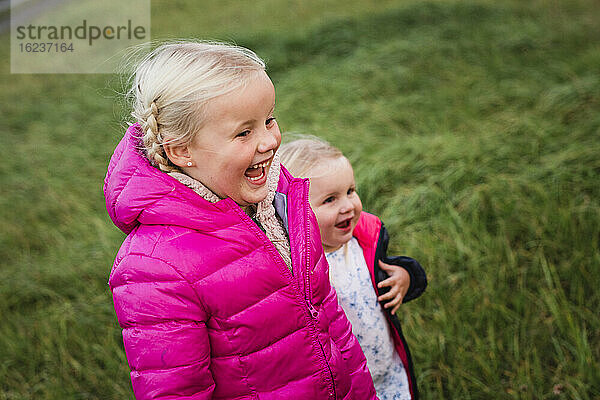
(474, 129)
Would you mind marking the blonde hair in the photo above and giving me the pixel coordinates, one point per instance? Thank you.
(308, 156)
(172, 85)
(304, 156)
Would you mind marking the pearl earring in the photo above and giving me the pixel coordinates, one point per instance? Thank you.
(189, 164)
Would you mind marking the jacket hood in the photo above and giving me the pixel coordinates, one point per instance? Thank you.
(138, 193)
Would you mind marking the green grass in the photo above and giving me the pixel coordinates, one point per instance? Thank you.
(474, 130)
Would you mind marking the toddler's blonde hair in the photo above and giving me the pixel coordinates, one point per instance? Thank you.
(172, 85)
(308, 156)
(304, 155)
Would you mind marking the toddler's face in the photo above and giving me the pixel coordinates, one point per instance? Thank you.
(233, 151)
(335, 202)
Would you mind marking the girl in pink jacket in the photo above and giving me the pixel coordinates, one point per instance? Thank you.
(221, 285)
(355, 243)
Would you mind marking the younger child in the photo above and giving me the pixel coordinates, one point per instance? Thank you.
(220, 286)
(356, 243)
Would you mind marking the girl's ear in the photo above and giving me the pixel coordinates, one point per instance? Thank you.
(179, 155)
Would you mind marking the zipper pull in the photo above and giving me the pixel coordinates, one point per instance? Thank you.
(312, 310)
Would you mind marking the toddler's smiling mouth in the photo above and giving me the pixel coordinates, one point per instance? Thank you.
(345, 224)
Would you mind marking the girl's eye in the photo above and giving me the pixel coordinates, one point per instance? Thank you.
(270, 122)
(329, 200)
(351, 190)
(243, 134)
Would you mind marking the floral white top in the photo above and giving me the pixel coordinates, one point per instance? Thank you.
(349, 275)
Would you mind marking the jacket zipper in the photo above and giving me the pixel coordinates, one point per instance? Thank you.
(307, 287)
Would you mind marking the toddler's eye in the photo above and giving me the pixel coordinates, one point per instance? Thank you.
(351, 190)
(329, 200)
(270, 122)
(243, 134)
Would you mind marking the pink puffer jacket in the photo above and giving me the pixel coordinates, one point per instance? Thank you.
(209, 309)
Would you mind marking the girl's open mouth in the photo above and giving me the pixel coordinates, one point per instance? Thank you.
(257, 173)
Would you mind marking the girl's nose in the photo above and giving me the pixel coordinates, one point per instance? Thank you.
(269, 140)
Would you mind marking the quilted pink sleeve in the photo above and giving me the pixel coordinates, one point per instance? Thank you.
(341, 332)
(164, 331)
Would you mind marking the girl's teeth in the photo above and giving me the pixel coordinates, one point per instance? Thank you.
(261, 165)
(256, 166)
(257, 178)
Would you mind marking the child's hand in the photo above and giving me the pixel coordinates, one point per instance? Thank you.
(399, 282)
